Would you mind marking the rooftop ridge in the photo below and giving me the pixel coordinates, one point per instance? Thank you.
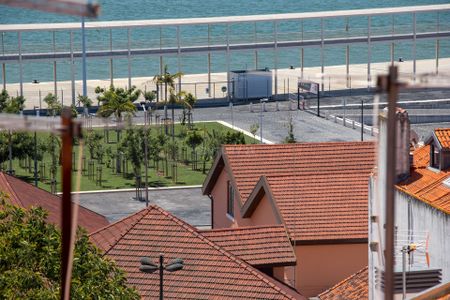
(11, 188)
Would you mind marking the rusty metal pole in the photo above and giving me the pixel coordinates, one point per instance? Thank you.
(66, 221)
(392, 89)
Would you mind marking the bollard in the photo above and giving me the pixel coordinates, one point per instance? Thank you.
(251, 106)
(371, 131)
(335, 118)
(276, 106)
(353, 124)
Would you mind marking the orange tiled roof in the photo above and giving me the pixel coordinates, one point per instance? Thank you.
(320, 189)
(26, 195)
(443, 136)
(427, 185)
(210, 272)
(261, 245)
(355, 287)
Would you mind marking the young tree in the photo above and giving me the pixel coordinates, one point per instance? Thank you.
(168, 80)
(193, 140)
(254, 129)
(14, 105)
(21, 143)
(53, 147)
(4, 96)
(290, 138)
(30, 254)
(174, 99)
(149, 96)
(54, 107)
(93, 142)
(130, 145)
(155, 145)
(86, 102)
(233, 138)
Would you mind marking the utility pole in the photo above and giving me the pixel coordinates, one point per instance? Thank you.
(362, 120)
(83, 46)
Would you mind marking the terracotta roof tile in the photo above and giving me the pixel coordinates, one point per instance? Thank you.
(210, 272)
(26, 195)
(262, 245)
(321, 189)
(443, 136)
(427, 185)
(355, 287)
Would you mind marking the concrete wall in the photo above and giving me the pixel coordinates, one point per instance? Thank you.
(419, 217)
(219, 194)
(319, 267)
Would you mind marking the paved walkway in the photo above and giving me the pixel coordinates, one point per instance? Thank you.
(307, 127)
(187, 204)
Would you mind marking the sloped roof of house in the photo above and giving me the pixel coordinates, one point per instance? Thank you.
(320, 189)
(210, 271)
(257, 245)
(427, 185)
(443, 136)
(26, 195)
(355, 287)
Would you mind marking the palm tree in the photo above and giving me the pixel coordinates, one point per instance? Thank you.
(176, 98)
(190, 101)
(117, 102)
(86, 102)
(168, 80)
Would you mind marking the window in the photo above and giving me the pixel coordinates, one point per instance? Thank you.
(230, 199)
(435, 155)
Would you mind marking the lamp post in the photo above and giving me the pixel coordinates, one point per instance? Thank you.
(145, 150)
(148, 266)
(261, 101)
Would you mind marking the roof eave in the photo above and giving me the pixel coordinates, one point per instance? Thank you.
(261, 188)
(302, 242)
(213, 173)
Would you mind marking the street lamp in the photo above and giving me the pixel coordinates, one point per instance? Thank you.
(261, 101)
(148, 266)
(143, 103)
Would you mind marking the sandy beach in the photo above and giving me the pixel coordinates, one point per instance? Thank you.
(197, 84)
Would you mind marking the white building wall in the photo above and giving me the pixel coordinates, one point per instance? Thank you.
(417, 216)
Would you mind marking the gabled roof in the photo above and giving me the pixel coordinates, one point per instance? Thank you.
(320, 189)
(427, 185)
(355, 287)
(26, 195)
(257, 245)
(210, 271)
(443, 137)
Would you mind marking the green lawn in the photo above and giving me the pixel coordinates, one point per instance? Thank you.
(111, 180)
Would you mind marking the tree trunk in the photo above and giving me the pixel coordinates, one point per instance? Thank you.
(173, 122)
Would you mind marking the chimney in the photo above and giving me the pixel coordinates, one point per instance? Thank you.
(402, 147)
